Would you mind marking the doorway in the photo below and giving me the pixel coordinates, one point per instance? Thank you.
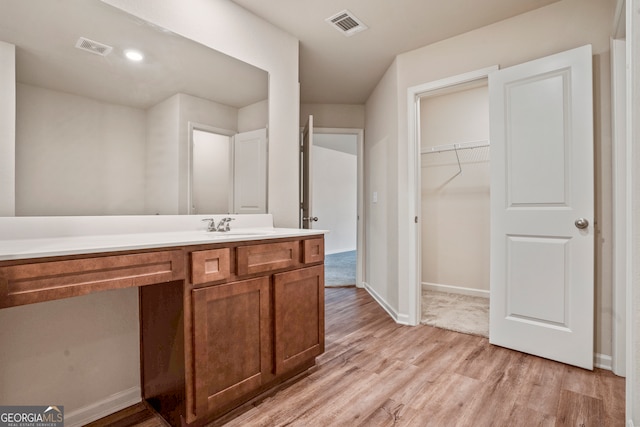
(335, 202)
(211, 172)
(455, 207)
(331, 182)
(227, 171)
(542, 218)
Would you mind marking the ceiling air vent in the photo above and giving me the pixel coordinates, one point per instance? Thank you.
(93, 46)
(346, 22)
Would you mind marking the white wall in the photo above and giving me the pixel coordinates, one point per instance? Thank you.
(335, 190)
(77, 156)
(381, 180)
(333, 115)
(633, 135)
(230, 29)
(162, 159)
(7, 128)
(551, 29)
(254, 116)
(72, 351)
(455, 207)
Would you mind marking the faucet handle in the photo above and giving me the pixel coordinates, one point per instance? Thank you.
(212, 224)
(227, 221)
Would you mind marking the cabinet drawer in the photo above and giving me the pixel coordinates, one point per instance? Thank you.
(210, 266)
(268, 257)
(44, 281)
(313, 250)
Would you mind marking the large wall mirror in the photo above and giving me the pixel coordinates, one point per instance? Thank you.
(100, 134)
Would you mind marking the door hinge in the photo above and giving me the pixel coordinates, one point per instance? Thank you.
(415, 219)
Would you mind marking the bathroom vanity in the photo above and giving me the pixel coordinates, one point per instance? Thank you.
(223, 317)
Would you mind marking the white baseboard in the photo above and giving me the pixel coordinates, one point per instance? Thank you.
(97, 410)
(401, 319)
(455, 290)
(603, 361)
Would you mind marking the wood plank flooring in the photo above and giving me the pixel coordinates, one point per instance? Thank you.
(378, 373)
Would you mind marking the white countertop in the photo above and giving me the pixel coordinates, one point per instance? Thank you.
(57, 246)
(37, 237)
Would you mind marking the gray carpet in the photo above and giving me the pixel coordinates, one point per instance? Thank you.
(340, 269)
(456, 312)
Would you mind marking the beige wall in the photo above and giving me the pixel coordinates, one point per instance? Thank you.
(551, 29)
(7, 128)
(381, 178)
(333, 115)
(162, 166)
(633, 136)
(77, 156)
(77, 351)
(254, 116)
(455, 207)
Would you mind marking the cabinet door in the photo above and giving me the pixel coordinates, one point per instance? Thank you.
(232, 342)
(299, 317)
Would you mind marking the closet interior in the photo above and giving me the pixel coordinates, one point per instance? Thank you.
(455, 195)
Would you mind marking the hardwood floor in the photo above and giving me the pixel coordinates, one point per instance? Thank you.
(378, 373)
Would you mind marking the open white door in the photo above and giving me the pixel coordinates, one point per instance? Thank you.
(306, 184)
(542, 207)
(250, 172)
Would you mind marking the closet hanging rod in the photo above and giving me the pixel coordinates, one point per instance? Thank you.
(456, 146)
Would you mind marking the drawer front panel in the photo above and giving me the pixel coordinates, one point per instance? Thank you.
(210, 266)
(268, 257)
(37, 282)
(313, 250)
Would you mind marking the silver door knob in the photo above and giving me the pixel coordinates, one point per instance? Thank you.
(582, 223)
(313, 218)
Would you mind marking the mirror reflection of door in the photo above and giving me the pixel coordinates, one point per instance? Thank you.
(211, 173)
(228, 172)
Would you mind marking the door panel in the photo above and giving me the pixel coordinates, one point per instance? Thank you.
(306, 184)
(542, 265)
(232, 345)
(250, 172)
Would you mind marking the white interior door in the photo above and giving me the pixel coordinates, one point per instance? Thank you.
(306, 179)
(250, 172)
(542, 207)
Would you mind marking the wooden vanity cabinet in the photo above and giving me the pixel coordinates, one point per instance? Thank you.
(258, 326)
(219, 323)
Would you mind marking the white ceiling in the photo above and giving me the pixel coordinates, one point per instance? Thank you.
(45, 33)
(335, 69)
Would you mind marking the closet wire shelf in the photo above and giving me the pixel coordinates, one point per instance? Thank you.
(455, 147)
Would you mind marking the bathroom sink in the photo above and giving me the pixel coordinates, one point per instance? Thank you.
(239, 233)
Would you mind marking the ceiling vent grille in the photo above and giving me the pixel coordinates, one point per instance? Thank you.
(93, 46)
(346, 22)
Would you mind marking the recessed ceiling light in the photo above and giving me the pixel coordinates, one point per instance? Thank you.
(133, 55)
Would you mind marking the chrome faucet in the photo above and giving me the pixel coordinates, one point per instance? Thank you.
(212, 224)
(223, 225)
